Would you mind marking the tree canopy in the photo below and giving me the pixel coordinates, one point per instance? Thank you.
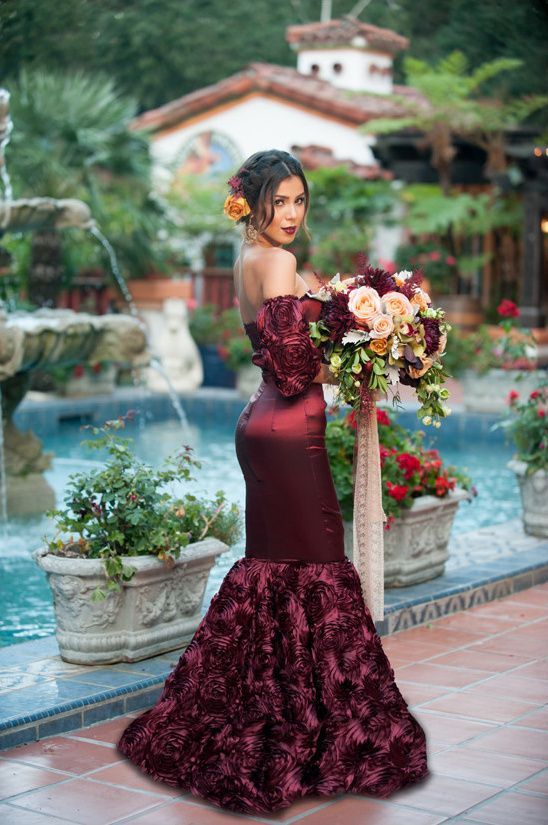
(158, 50)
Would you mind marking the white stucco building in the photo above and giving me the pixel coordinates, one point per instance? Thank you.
(342, 80)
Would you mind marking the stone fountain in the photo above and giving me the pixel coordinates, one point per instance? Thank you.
(46, 338)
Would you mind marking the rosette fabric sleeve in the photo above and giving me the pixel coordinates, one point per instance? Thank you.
(286, 349)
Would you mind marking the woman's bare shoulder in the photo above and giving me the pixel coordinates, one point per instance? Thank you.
(276, 270)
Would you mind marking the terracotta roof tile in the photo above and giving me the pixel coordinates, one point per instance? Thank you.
(342, 32)
(283, 82)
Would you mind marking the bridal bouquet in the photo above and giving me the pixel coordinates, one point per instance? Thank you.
(380, 330)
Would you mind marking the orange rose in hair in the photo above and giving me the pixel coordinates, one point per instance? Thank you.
(236, 207)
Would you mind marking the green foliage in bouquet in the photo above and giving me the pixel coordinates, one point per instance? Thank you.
(124, 509)
(527, 426)
(409, 470)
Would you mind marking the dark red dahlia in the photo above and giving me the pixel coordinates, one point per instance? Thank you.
(337, 316)
(376, 277)
(431, 334)
(409, 286)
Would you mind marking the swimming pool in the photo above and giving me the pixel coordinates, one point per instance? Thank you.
(26, 610)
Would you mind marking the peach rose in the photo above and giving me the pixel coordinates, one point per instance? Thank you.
(443, 342)
(364, 303)
(379, 346)
(382, 326)
(236, 207)
(394, 303)
(421, 299)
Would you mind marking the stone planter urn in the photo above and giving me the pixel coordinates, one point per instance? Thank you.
(487, 393)
(156, 611)
(534, 498)
(416, 545)
(248, 379)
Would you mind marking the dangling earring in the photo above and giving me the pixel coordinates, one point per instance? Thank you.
(251, 233)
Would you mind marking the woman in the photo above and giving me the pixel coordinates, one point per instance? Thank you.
(285, 689)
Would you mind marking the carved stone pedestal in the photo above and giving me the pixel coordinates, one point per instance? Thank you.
(416, 545)
(156, 611)
(534, 498)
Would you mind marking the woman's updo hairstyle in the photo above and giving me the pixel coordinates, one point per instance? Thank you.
(261, 174)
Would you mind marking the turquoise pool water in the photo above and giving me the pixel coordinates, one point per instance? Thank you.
(26, 611)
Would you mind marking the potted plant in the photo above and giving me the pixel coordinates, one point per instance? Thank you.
(420, 497)
(130, 562)
(491, 360)
(236, 353)
(527, 426)
(210, 329)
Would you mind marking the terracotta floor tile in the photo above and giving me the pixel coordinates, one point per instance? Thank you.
(537, 784)
(87, 803)
(451, 677)
(129, 776)
(480, 706)
(363, 810)
(105, 731)
(510, 808)
(481, 660)
(18, 816)
(415, 694)
(513, 684)
(447, 637)
(16, 778)
(532, 595)
(499, 770)
(64, 754)
(444, 795)
(536, 670)
(532, 744)
(183, 813)
(535, 719)
(529, 646)
(449, 729)
(475, 622)
(516, 612)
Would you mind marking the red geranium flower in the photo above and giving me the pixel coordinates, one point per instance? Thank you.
(409, 464)
(512, 397)
(78, 370)
(382, 418)
(508, 309)
(534, 394)
(397, 491)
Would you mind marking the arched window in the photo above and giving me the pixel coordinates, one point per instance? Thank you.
(337, 68)
(315, 69)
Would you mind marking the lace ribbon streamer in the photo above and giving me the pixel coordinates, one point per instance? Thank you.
(369, 516)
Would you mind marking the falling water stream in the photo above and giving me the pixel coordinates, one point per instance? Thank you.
(155, 363)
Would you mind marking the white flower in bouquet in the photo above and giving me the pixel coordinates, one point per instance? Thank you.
(355, 336)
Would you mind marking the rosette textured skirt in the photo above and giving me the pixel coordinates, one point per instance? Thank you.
(285, 689)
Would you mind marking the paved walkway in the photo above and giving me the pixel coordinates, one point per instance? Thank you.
(477, 681)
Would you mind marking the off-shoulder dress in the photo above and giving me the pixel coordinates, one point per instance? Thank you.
(285, 689)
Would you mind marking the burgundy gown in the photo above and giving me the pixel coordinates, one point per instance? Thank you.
(285, 689)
